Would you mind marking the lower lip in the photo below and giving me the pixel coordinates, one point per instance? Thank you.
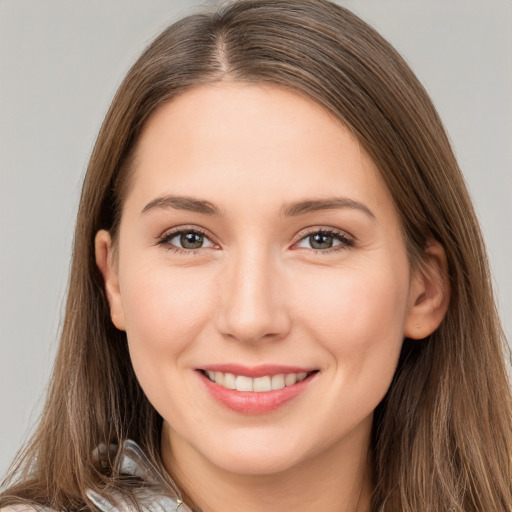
(255, 403)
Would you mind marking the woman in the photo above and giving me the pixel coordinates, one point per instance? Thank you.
(273, 290)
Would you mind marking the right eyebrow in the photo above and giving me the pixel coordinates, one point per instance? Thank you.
(190, 204)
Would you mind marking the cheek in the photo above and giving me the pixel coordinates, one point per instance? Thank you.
(165, 309)
(357, 314)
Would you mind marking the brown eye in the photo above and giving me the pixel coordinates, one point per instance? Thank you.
(321, 241)
(191, 240)
(186, 240)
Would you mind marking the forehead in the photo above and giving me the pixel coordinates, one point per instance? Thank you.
(231, 139)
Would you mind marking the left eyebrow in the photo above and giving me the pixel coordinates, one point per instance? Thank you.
(182, 203)
(314, 205)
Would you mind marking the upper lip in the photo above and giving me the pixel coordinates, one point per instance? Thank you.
(255, 371)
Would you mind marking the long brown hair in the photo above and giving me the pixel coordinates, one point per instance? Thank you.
(442, 436)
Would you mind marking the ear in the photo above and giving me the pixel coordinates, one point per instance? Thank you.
(106, 263)
(429, 293)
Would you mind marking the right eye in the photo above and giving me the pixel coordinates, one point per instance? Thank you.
(186, 240)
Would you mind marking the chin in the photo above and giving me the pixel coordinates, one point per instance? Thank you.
(256, 453)
(256, 462)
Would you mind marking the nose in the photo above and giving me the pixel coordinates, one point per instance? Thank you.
(252, 305)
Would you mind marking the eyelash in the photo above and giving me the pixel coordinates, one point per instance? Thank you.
(346, 242)
(166, 238)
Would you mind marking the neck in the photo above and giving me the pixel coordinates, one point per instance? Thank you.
(336, 481)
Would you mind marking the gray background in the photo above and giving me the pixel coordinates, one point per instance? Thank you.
(60, 63)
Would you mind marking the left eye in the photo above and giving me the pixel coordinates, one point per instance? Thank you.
(188, 240)
(322, 240)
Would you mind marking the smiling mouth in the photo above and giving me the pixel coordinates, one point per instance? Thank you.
(261, 384)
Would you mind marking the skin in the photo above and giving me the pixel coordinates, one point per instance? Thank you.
(256, 292)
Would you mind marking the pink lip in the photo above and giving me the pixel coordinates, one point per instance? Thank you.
(255, 371)
(254, 403)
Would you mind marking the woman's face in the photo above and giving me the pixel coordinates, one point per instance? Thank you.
(259, 248)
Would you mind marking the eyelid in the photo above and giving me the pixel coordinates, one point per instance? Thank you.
(344, 236)
(328, 230)
(170, 233)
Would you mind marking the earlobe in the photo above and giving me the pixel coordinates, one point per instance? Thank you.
(429, 294)
(106, 263)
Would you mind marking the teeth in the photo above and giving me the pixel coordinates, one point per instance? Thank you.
(290, 379)
(258, 384)
(278, 381)
(262, 384)
(229, 381)
(243, 383)
(219, 378)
